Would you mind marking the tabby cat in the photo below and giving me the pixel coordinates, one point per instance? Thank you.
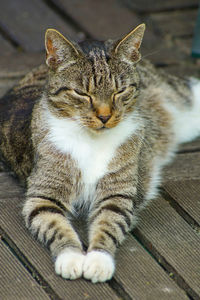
(91, 131)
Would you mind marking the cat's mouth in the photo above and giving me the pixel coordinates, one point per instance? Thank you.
(106, 127)
(102, 128)
(99, 130)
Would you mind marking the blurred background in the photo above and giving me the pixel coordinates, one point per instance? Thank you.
(167, 42)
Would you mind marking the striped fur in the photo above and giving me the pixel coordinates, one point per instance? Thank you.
(91, 133)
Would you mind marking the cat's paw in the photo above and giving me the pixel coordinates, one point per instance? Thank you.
(69, 264)
(99, 266)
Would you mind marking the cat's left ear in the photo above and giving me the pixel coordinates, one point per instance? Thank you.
(58, 49)
(129, 46)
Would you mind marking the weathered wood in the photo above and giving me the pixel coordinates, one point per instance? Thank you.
(5, 46)
(164, 51)
(9, 187)
(159, 5)
(173, 242)
(141, 276)
(2, 166)
(183, 68)
(184, 167)
(17, 65)
(163, 55)
(192, 146)
(187, 194)
(174, 22)
(101, 19)
(12, 223)
(14, 66)
(6, 84)
(27, 21)
(135, 265)
(16, 282)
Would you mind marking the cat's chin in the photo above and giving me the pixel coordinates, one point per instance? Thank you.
(98, 131)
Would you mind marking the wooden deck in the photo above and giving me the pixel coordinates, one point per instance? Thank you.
(161, 258)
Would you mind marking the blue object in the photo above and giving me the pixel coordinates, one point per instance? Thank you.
(196, 39)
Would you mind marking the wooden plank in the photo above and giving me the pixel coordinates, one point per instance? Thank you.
(11, 222)
(134, 264)
(167, 50)
(184, 167)
(9, 187)
(173, 242)
(101, 19)
(6, 84)
(187, 194)
(173, 22)
(14, 66)
(141, 276)
(17, 65)
(113, 22)
(192, 146)
(165, 54)
(185, 68)
(5, 46)
(2, 166)
(160, 5)
(27, 21)
(16, 282)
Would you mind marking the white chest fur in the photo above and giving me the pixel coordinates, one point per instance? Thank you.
(92, 152)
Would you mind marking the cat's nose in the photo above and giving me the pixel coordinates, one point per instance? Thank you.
(104, 119)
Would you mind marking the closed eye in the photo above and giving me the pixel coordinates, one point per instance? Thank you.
(131, 88)
(81, 95)
(121, 91)
(73, 92)
(63, 88)
(125, 93)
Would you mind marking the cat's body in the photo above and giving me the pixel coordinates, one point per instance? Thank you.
(74, 163)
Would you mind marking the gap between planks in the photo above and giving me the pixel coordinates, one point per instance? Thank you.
(138, 275)
(172, 273)
(27, 265)
(67, 18)
(171, 251)
(180, 210)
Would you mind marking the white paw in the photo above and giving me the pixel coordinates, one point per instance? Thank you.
(69, 264)
(99, 266)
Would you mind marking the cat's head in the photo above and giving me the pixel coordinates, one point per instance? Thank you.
(94, 83)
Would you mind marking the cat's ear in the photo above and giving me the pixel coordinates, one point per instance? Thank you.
(129, 46)
(58, 49)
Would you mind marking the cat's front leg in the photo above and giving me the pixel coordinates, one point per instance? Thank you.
(48, 221)
(109, 224)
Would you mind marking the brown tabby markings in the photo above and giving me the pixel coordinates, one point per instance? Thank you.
(97, 86)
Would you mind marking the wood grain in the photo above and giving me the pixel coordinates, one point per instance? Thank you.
(185, 166)
(16, 282)
(134, 264)
(173, 22)
(173, 242)
(100, 19)
(27, 21)
(192, 146)
(160, 5)
(187, 194)
(12, 223)
(141, 276)
(6, 47)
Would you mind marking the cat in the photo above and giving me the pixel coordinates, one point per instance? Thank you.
(91, 131)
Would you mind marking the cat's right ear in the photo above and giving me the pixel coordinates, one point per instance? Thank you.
(58, 49)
